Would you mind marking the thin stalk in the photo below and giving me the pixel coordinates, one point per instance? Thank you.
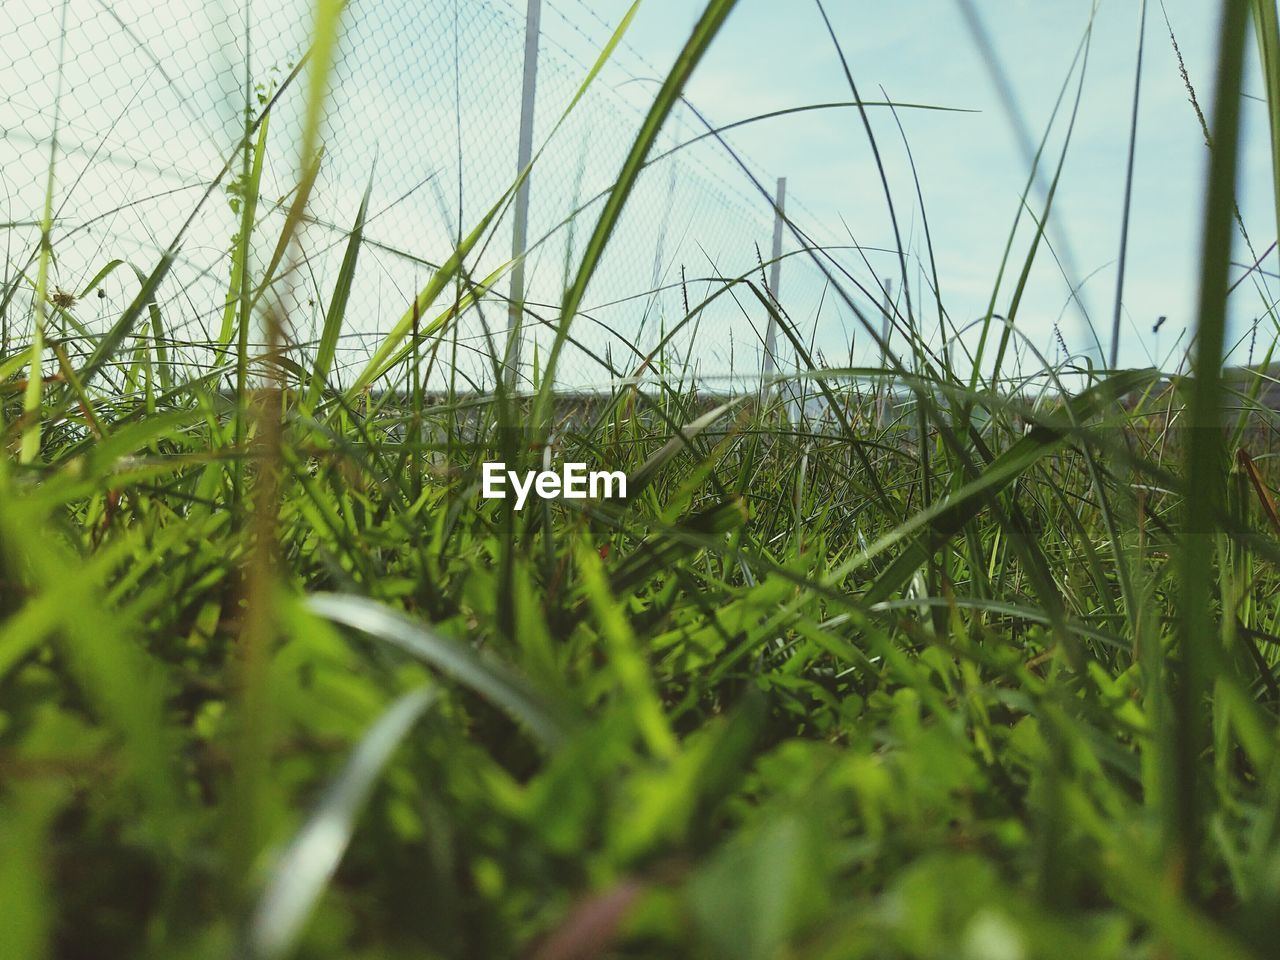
(30, 448)
(242, 267)
(1128, 188)
(1185, 793)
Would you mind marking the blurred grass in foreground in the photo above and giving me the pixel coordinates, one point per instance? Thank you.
(983, 668)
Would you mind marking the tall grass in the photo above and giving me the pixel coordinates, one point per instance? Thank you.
(986, 667)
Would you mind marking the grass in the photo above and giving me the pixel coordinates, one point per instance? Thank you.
(985, 668)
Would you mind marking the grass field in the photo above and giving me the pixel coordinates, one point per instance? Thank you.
(984, 669)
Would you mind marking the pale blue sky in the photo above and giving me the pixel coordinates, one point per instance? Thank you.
(772, 55)
(151, 98)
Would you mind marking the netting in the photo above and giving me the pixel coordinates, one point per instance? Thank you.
(149, 102)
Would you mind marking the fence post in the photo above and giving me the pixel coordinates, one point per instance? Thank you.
(775, 276)
(520, 220)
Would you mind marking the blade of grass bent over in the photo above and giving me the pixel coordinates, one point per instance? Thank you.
(306, 866)
(489, 678)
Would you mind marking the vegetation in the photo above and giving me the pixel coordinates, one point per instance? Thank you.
(980, 668)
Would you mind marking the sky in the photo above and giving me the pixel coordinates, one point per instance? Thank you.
(773, 55)
(425, 105)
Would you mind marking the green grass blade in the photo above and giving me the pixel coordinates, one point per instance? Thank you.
(30, 448)
(1206, 469)
(704, 31)
(1267, 30)
(628, 664)
(304, 869)
(946, 518)
(338, 304)
(491, 679)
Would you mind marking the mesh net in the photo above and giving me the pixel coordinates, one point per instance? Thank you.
(149, 102)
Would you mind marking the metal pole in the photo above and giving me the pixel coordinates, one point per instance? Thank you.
(524, 155)
(775, 276)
